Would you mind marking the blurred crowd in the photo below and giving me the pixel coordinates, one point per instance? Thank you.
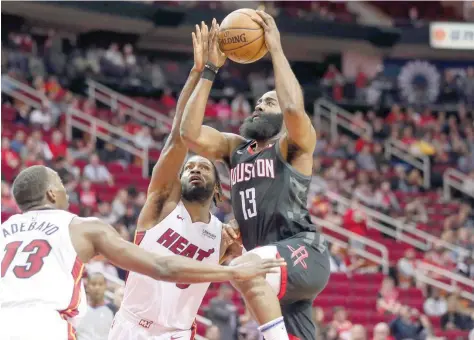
(356, 169)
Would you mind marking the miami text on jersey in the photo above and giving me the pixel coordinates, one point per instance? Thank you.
(246, 171)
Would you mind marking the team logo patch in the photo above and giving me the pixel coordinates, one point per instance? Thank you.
(145, 323)
(299, 255)
(180, 217)
(205, 233)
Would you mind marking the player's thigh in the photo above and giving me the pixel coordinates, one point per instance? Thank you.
(266, 252)
(307, 271)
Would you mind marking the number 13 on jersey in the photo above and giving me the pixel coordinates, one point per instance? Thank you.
(249, 205)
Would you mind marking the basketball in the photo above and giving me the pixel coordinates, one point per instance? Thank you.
(242, 39)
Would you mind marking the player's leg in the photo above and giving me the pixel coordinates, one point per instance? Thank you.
(261, 295)
(299, 321)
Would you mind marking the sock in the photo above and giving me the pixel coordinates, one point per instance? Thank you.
(274, 330)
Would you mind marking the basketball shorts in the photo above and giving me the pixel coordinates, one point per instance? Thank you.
(297, 285)
(33, 323)
(128, 327)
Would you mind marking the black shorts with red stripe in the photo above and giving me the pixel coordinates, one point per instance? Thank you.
(305, 276)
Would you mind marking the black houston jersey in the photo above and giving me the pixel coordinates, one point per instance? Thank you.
(268, 196)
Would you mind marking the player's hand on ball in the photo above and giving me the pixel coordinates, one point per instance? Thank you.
(200, 46)
(216, 57)
(251, 269)
(272, 35)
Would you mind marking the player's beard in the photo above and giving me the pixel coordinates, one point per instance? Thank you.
(265, 127)
(197, 193)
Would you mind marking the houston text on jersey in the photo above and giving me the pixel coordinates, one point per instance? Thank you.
(246, 171)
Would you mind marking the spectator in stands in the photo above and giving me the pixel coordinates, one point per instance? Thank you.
(459, 220)
(385, 199)
(213, 333)
(87, 196)
(113, 64)
(382, 332)
(318, 318)
(365, 160)
(96, 172)
(79, 149)
(9, 157)
(58, 145)
(387, 300)
(104, 213)
(363, 190)
(42, 146)
(337, 260)
(98, 319)
(223, 313)
(341, 324)
(18, 142)
(436, 304)
(8, 203)
(248, 329)
(415, 211)
(406, 268)
(143, 138)
(119, 205)
(358, 332)
(454, 318)
(41, 117)
(355, 220)
(409, 325)
(415, 181)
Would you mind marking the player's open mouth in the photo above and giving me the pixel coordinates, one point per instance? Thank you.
(195, 179)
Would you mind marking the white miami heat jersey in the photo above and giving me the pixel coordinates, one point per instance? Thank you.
(168, 305)
(40, 268)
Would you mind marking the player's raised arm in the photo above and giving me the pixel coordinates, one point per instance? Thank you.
(102, 238)
(290, 96)
(204, 140)
(165, 175)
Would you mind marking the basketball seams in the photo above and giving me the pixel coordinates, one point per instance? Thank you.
(256, 54)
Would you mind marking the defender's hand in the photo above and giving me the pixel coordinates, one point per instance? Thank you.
(251, 269)
(200, 46)
(272, 35)
(216, 57)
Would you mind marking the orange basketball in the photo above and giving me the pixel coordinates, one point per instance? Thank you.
(241, 38)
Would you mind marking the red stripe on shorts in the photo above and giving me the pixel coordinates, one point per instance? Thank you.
(283, 280)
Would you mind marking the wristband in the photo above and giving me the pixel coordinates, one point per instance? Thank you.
(212, 67)
(208, 74)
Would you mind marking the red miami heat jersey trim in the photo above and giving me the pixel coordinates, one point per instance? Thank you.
(193, 330)
(77, 271)
(283, 280)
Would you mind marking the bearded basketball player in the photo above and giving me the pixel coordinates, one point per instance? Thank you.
(175, 219)
(271, 167)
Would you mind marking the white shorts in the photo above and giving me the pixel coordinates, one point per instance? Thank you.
(32, 323)
(123, 328)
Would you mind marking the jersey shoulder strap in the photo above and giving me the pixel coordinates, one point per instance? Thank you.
(239, 152)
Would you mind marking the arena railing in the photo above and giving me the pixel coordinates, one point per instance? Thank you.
(138, 111)
(404, 232)
(117, 136)
(80, 120)
(454, 179)
(381, 259)
(444, 279)
(113, 282)
(395, 148)
(337, 118)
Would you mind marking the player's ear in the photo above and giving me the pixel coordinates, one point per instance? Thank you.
(218, 196)
(51, 196)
